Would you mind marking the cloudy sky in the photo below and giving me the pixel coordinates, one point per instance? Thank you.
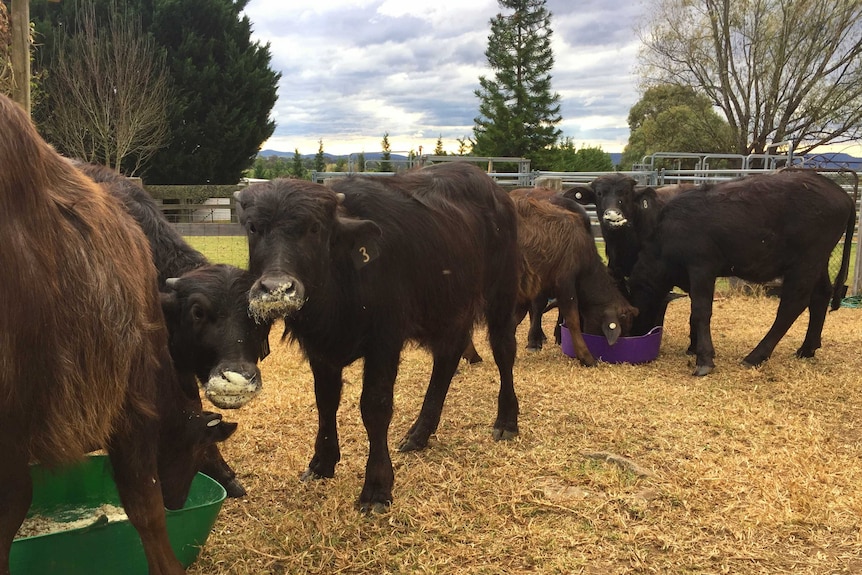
(353, 70)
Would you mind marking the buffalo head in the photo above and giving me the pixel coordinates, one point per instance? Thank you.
(297, 233)
(212, 334)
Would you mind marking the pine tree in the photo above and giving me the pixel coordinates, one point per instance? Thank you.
(386, 156)
(518, 112)
(296, 168)
(225, 92)
(319, 159)
(438, 149)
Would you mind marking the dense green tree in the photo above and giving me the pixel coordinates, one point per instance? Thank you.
(565, 157)
(225, 91)
(270, 167)
(360, 162)
(386, 155)
(518, 112)
(223, 86)
(319, 158)
(671, 118)
(297, 170)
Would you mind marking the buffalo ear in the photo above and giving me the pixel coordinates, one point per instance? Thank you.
(582, 194)
(169, 302)
(360, 238)
(612, 331)
(216, 429)
(646, 198)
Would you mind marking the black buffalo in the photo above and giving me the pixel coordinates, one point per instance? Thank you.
(782, 225)
(622, 219)
(213, 339)
(358, 269)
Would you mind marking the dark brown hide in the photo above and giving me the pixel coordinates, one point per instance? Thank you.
(358, 269)
(562, 261)
(83, 345)
(536, 335)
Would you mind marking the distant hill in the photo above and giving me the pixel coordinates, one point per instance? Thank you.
(827, 160)
(329, 157)
(370, 156)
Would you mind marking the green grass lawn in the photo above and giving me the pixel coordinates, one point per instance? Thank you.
(231, 250)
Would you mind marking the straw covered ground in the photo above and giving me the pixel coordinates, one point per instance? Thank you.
(618, 468)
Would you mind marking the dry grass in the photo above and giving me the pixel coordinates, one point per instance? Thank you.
(744, 471)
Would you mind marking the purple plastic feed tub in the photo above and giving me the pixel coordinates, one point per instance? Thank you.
(640, 349)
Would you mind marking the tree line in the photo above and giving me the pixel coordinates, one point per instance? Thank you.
(177, 92)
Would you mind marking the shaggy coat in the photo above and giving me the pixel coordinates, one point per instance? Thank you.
(782, 225)
(536, 335)
(358, 269)
(84, 360)
(562, 261)
(205, 306)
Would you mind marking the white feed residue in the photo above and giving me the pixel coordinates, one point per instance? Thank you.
(70, 519)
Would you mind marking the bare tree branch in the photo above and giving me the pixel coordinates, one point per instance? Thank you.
(777, 69)
(109, 92)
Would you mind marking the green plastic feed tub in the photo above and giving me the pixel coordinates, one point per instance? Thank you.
(104, 547)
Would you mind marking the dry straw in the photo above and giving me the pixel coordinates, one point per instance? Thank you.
(618, 468)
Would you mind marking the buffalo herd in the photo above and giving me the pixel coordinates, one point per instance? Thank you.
(113, 327)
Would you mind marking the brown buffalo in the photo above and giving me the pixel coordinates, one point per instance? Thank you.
(84, 358)
(561, 261)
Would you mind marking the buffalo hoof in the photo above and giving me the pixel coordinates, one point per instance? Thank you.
(234, 488)
(411, 444)
(373, 507)
(534, 347)
(310, 475)
(750, 361)
(801, 353)
(702, 370)
(503, 434)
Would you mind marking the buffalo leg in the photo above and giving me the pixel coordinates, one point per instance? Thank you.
(536, 336)
(136, 476)
(817, 306)
(432, 406)
(501, 335)
(702, 294)
(794, 299)
(327, 395)
(216, 467)
(569, 309)
(558, 334)
(381, 369)
(16, 492)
